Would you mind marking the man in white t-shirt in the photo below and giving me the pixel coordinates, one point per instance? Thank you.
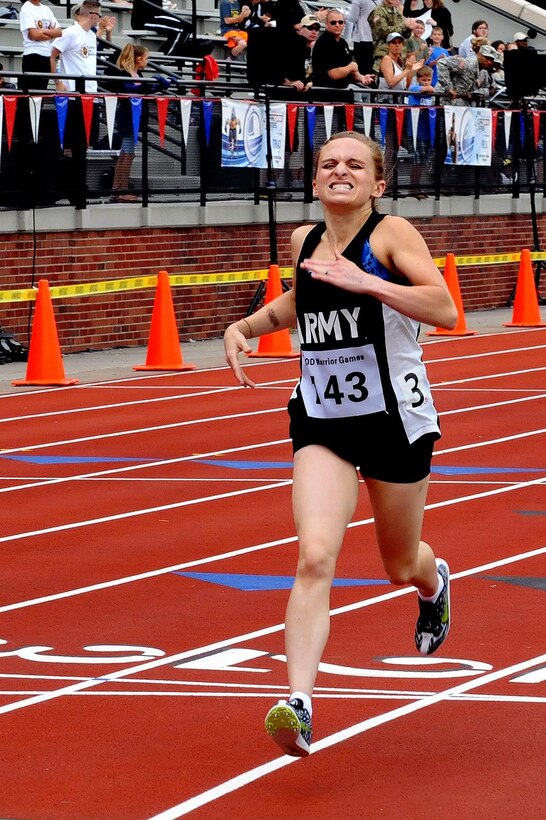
(39, 28)
(77, 48)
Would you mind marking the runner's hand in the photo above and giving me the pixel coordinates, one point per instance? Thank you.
(235, 342)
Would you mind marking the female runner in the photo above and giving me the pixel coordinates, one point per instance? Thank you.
(363, 283)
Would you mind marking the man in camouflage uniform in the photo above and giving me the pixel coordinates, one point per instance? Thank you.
(468, 82)
(386, 18)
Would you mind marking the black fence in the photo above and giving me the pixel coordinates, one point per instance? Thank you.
(179, 158)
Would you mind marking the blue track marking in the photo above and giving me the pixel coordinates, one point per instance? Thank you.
(35, 459)
(439, 470)
(260, 583)
(247, 465)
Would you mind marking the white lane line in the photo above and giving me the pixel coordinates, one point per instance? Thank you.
(232, 554)
(488, 377)
(135, 513)
(93, 408)
(230, 642)
(485, 355)
(475, 407)
(250, 776)
(147, 465)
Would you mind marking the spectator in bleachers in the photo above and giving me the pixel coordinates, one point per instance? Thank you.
(232, 19)
(436, 10)
(480, 28)
(416, 44)
(5, 85)
(299, 68)
(362, 34)
(130, 65)
(437, 52)
(413, 11)
(39, 28)
(522, 40)
(76, 50)
(386, 19)
(333, 64)
(288, 15)
(464, 81)
(397, 71)
(262, 15)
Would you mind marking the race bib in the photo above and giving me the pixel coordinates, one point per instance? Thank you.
(341, 383)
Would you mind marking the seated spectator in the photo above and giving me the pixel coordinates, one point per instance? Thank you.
(299, 70)
(416, 43)
(262, 15)
(436, 52)
(5, 85)
(385, 19)
(464, 81)
(40, 29)
(480, 28)
(362, 34)
(333, 65)
(232, 19)
(130, 65)
(396, 72)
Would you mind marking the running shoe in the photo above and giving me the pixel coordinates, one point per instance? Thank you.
(289, 724)
(433, 621)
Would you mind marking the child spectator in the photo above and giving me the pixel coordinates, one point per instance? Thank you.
(436, 51)
(232, 19)
(421, 93)
(416, 43)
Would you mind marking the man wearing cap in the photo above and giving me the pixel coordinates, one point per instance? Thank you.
(76, 50)
(298, 62)
(333, 65)
(465, 81)
(522, 40)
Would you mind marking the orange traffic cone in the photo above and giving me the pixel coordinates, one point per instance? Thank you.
(45, 364)
(164, 351)
(526, 312)
(452, 282)
(275, 345)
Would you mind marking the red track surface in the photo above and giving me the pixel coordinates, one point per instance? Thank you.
(129, 690)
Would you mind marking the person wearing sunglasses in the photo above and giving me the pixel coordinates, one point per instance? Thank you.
(333, 64)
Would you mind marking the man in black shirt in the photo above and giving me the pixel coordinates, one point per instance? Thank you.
(333, 65)
(298, 67)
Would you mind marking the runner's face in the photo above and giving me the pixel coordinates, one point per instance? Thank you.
(346, 175)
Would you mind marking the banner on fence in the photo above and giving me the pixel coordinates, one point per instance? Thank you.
(244, 134)
(468, 135)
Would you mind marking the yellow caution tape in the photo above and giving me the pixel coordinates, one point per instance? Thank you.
(228, 278)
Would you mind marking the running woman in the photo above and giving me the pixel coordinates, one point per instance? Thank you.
(363, 284)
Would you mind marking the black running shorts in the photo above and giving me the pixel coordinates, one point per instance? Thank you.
(376, 444)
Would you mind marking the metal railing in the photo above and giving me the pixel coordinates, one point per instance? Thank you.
(173, 166)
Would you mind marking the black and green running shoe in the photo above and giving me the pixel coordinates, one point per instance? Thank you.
(433, 621)
(289, 724)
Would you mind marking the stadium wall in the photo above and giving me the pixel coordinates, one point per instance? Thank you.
(122, 319)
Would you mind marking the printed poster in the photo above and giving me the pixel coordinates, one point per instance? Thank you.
(244, 138)
(468, 135)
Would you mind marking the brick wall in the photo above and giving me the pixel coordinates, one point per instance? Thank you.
(123, 319)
